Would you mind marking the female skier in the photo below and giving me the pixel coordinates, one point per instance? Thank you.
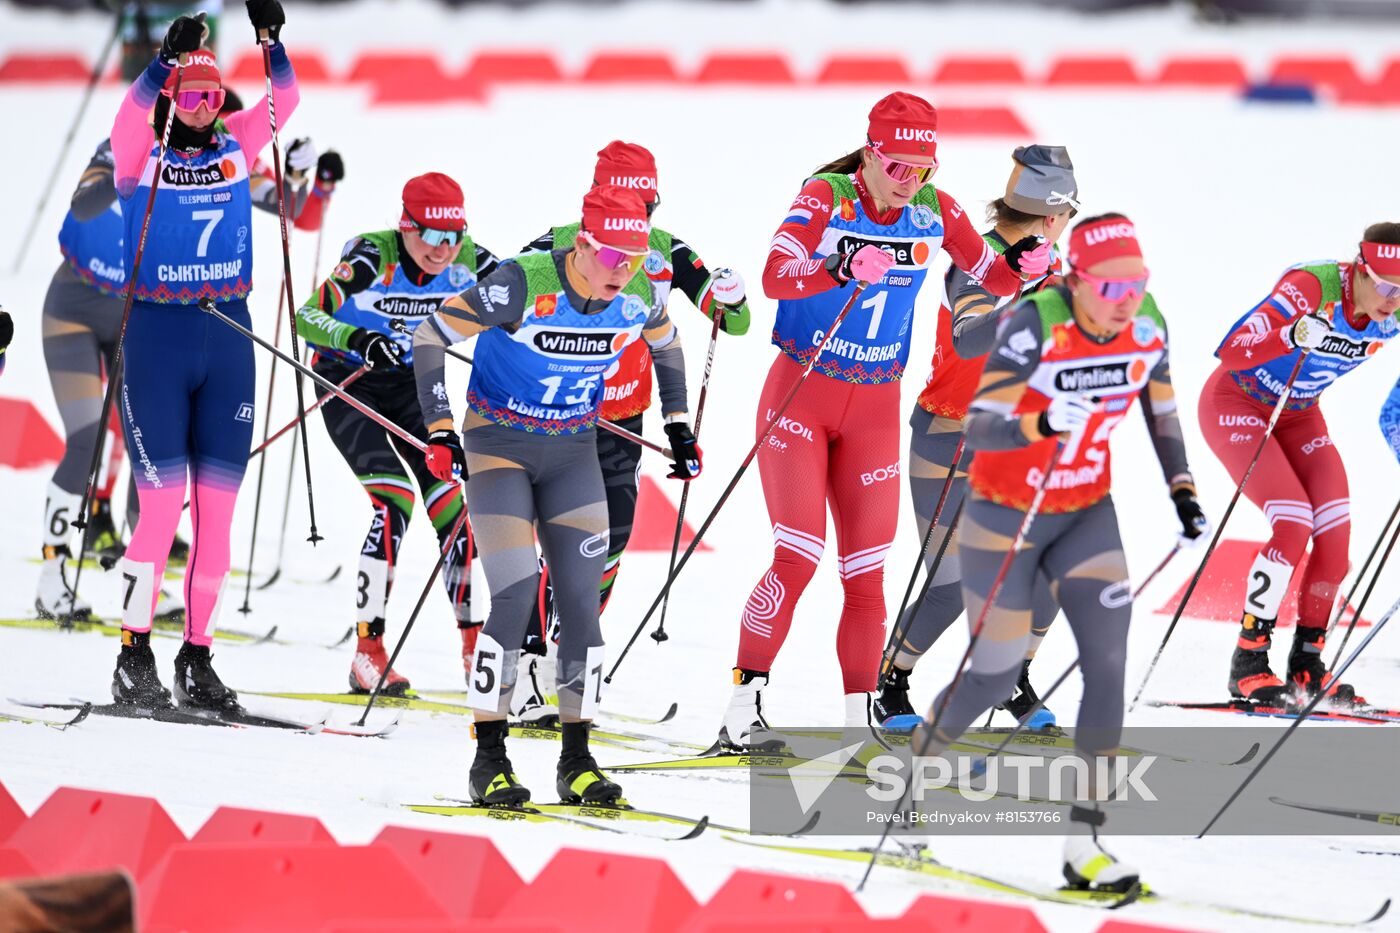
(1063, 372)
(187, 392)
(873, 216)
(551, 325)
(1040, 200)
(386, 284)
(1324, 319)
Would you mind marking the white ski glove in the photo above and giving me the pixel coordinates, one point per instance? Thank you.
(301, 156)
(1068, 412)
(1308, 332)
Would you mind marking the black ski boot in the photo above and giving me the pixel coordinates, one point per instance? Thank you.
(1250, 676)
(107, 544)
(493, 782)
(1307, 672)
(891, 708)
(196, 683)
(135, 681)
(580, 781)
(1024, 700)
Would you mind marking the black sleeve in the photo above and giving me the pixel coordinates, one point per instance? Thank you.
(486, 261)
(540, 244)
(688, 273)
(97, 189)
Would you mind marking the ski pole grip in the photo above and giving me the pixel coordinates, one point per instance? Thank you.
(263, 37)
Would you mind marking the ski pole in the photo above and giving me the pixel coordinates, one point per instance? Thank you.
(266, 42)
(738, 475)
(316, 405)
(604, 424)
(208, 306)
(660, 634)
(97, 71)
(899, 631)
(114, 373)
(926, 736)
(1356, 584)
(447, 548)
(1219, 529)
(1356, 616)
(262, 464)
(1307, 711)
(898, 637)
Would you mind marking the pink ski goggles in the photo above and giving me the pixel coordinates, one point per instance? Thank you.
(1387, 290)
(611, 257)
(189, 101)
(905, 171)
(1117, 289)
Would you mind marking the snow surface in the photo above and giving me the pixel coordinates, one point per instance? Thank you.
(1224, 194)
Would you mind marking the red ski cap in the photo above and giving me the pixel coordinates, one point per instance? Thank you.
(200, 66)
(616, 217)
(1383, 258)
(1092, 243)
(903, 123)
(434, 201)
(627, 165)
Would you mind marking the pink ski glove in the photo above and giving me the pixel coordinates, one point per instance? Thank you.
(867, 264)
(1030, 256)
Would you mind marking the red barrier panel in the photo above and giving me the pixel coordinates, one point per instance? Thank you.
(32, 67)
(763, 897)
(521, 67)
(816, 925)
(26, 440)
(448, 926)
(83, 830)
(11, 814)
(15, 865)
(1332, 72)
(654, 524)
(275, 888)
(601, 891)
(979, 69)
(1222, 72)
(864, 69)
(248, 67)
(959, 915)
(639, 67)
(1123, 926)
(1220, 595)
(1093, 70)
(235, 824)
(388, 67)
(467, 873)
(981, 121)
(745, 68)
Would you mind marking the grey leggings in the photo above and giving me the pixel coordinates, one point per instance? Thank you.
(521, 485)
(931, 450)
(1082, 553)
(80, 326)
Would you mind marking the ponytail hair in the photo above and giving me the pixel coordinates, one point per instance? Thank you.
(845, 165)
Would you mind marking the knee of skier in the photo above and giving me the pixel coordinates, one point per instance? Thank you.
(795, 570)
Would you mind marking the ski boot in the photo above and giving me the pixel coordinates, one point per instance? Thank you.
(745, 713)
(891, 708)
(1024, 700)
(1307, 672)
(579, 781)
(196, 683)
(179, 552)
(106, 544)
(1250, 676)
(492, 780)
(135, 681)
(370, 661)
(56, 599)
(537, 693)
(1088, 866)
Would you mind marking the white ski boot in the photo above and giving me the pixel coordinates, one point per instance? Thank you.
(745, 713)
(1088, 865)
(535, 699)
(55, 599)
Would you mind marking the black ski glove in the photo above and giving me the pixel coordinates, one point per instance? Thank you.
(7, 329)
(377, 350)
(1194, 523)
(330, 167)
(266, 14)
(183, 37)
(688, 459)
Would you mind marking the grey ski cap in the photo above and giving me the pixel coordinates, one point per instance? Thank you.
(1042, 183)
